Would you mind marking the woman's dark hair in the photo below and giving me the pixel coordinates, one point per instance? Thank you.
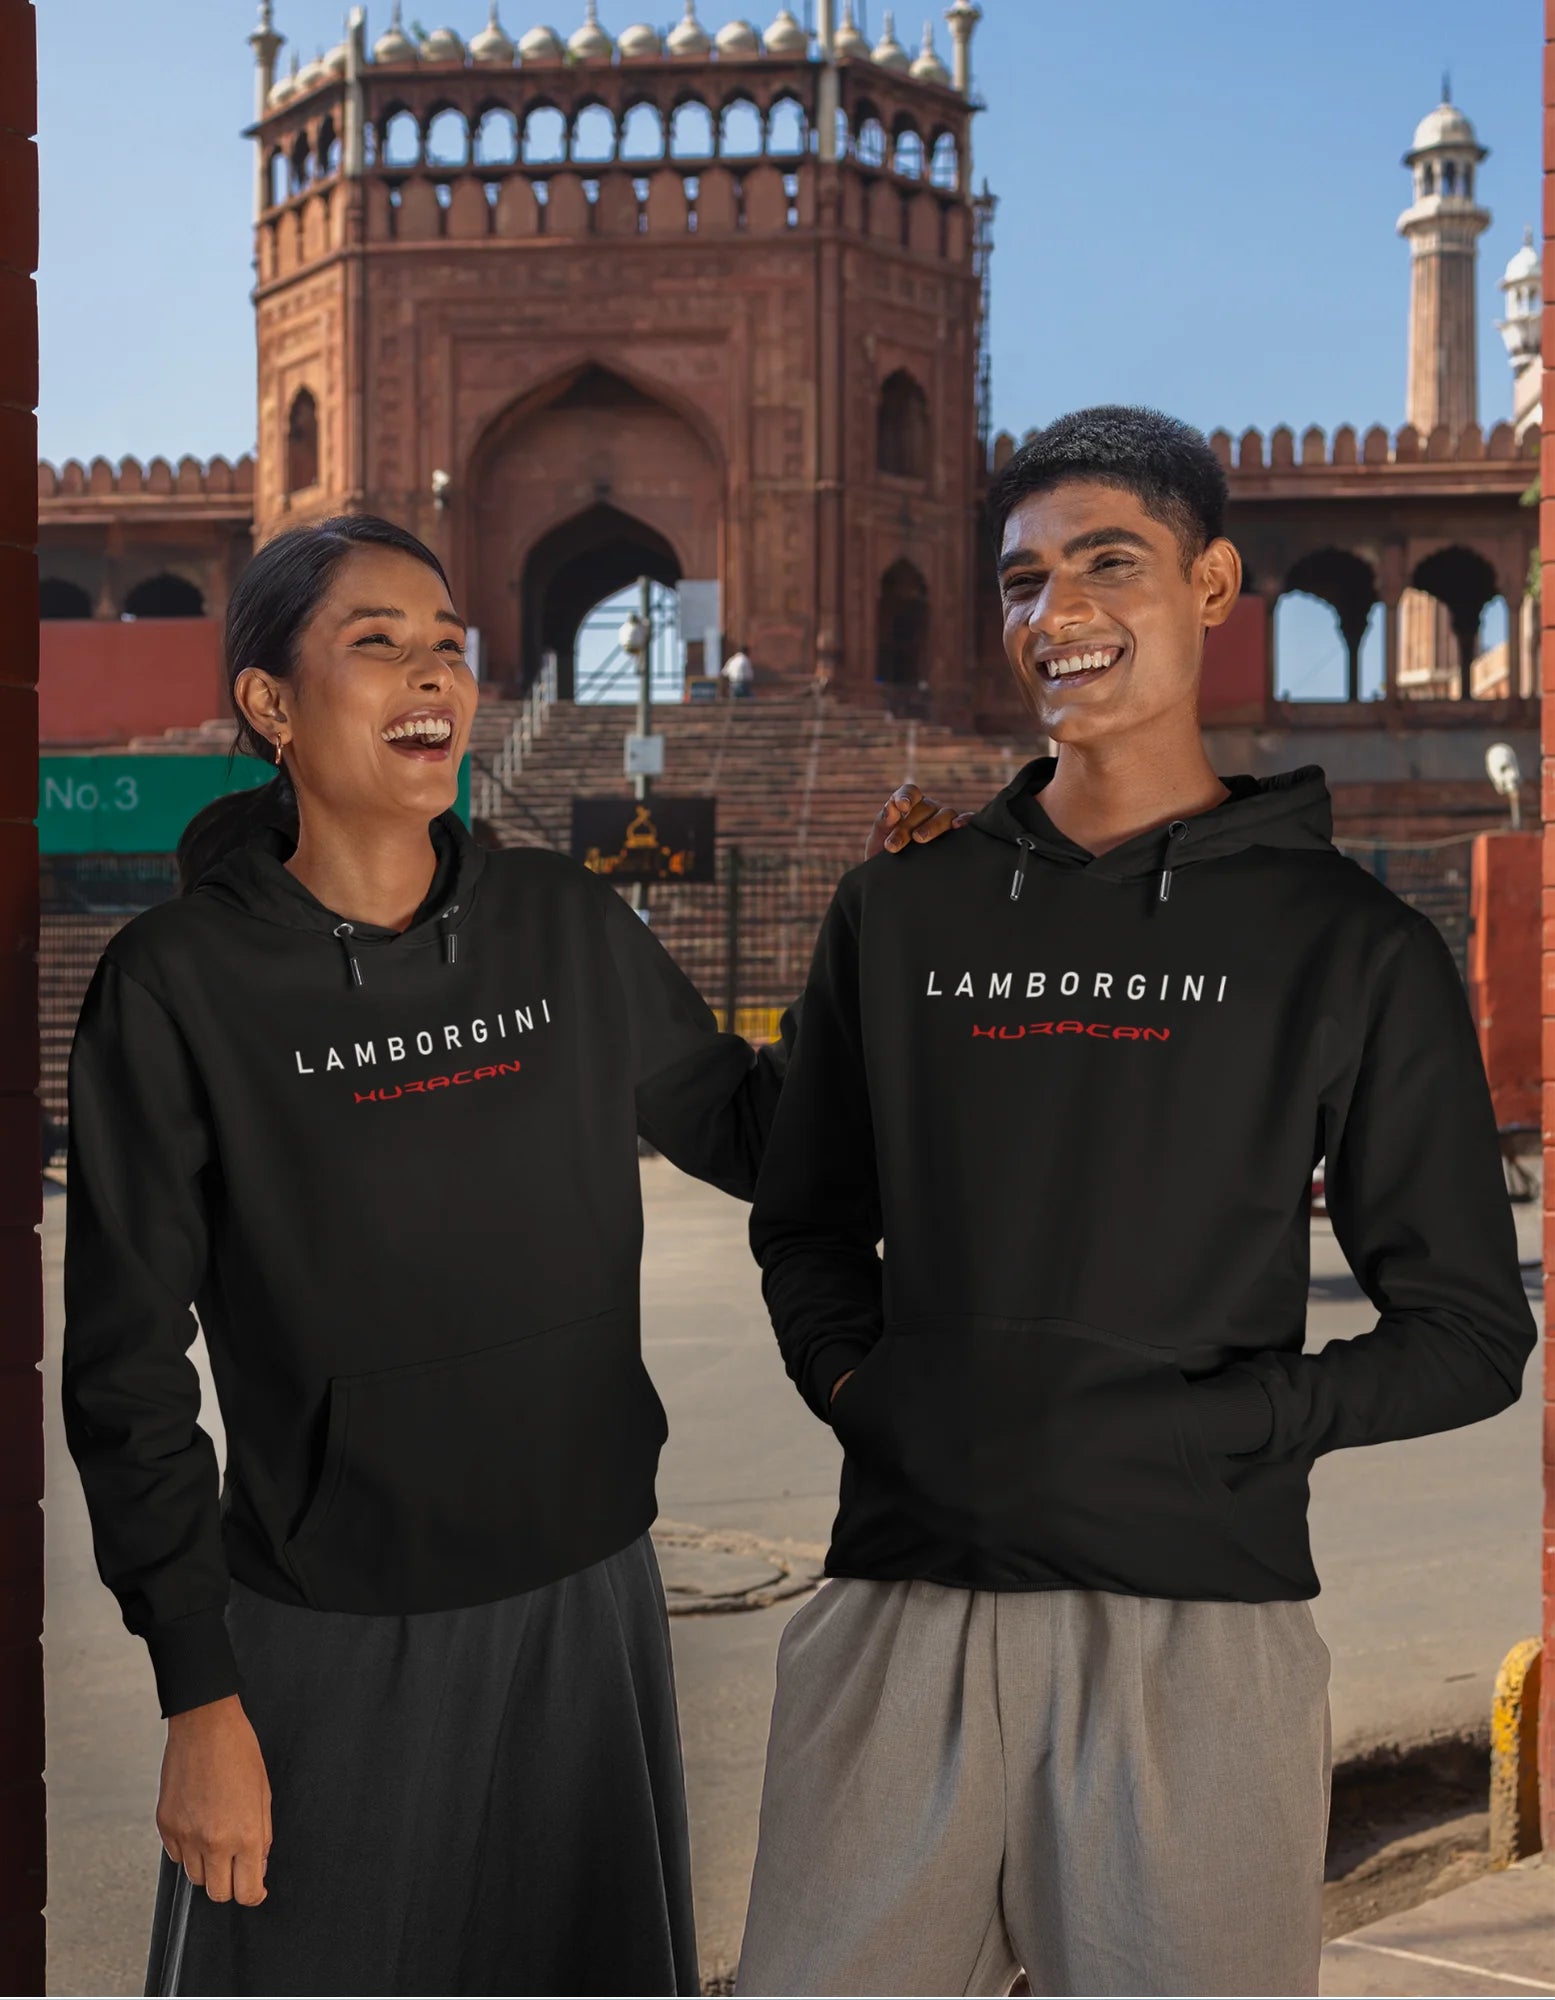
(269, 608)
(1168, 467)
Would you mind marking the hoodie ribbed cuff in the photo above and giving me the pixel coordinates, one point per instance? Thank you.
(193, 1661)
(830, 1362)
(1233, 1410)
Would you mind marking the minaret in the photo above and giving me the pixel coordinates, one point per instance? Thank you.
(267, 45)
(1522, 285)
(1442, 227)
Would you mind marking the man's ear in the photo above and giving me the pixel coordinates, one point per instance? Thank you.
(1219, 571)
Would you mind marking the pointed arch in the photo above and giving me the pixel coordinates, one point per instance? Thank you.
(902, 627)
(902, 427)
(302, 442)
(599, 434)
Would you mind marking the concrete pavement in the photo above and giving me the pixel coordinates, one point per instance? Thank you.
(1428, 1550)
(1496, 1935)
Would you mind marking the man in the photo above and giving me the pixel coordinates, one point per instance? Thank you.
(740, 674)
(1064, 1706)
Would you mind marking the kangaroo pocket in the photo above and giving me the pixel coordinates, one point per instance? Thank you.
(1064, 1447)
(472, 1477)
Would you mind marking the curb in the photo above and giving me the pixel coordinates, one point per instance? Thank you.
(1514, 1756)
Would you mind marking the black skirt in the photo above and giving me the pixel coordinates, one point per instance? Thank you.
(486, 1801)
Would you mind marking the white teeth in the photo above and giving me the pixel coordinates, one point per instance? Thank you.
(430, 729)
(1080, 663)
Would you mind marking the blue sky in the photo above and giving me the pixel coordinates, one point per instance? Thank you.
(1197, 201)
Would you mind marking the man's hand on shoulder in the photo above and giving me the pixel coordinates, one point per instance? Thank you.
(908, 817)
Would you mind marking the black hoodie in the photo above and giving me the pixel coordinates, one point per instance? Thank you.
(1081, 1098)
(397, 1174)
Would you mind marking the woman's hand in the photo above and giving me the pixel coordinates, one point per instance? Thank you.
(213, 1812)
(908, 816)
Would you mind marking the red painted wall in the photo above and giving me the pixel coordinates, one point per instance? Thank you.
(22, 1843)
(1504, 970)
(104, 680)
(1235, 676)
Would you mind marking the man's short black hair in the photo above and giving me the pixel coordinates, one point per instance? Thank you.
(1166, 465)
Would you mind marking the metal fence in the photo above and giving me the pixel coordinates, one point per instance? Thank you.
(1434, 877)
(744, 939)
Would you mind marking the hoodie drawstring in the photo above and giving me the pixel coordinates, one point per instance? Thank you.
(345, 933)
(1027, 847)
(1175, 831)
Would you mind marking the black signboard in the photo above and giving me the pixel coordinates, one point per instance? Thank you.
(645, 840)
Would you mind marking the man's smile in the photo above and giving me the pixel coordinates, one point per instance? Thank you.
(1071, 663)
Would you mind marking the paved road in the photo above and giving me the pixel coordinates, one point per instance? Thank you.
(1428, 1550)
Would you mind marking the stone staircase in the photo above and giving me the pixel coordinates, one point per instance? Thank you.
(803, 777)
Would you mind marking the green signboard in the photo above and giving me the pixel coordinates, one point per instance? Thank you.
(118, 803)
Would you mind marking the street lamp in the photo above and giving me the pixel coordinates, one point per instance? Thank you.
(636, 640)
(1501, 767)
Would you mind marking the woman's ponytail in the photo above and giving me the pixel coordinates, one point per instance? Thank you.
(230, 822)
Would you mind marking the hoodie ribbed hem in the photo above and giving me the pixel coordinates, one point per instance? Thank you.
(193, 1661)
(1234, 1411)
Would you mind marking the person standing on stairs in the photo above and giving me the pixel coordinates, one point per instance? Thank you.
(1063, 1705)
(368, 1097)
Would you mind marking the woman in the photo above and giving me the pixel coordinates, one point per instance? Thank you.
(370, 1100)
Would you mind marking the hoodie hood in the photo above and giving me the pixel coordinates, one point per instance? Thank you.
(256, 880)
(1291, 809)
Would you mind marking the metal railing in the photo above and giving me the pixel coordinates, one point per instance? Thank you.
(492, 780)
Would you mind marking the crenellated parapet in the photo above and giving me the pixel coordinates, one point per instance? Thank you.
(1315, 452)
(206, 481)
(684, 135)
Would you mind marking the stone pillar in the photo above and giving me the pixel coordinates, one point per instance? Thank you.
(1271, 683)
(22, 1833)
(826, 97)
(1390, 647)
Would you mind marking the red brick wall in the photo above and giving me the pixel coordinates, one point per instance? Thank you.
(21, 1321)
(1504, 969)
(103, 681)
(1547, 655)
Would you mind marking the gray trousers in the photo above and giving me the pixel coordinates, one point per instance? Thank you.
(1122, 1795)
(486, 1801)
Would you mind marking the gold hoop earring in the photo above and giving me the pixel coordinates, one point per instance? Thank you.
(279, 746)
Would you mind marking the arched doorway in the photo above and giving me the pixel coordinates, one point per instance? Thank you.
(902, 629)
(575, 491)
(1441, 638)
(1311, 665)
(575, 567)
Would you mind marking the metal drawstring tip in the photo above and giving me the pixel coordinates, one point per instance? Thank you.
(1166, 885)
(356, 970)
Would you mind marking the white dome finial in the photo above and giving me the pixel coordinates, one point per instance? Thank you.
(888, 51)
(688, 39)
(927, 67)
